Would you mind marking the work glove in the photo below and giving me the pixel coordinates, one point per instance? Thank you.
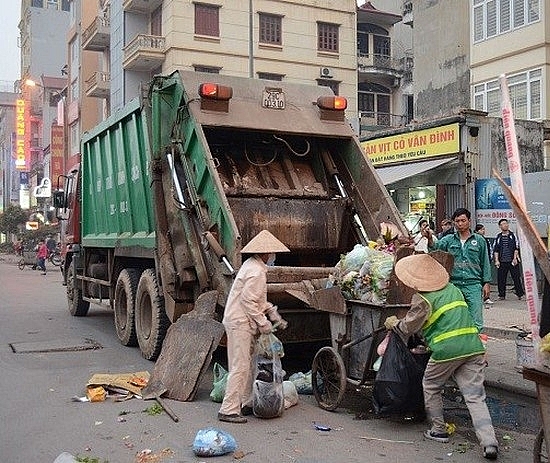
(391, 322)
(266, 329)
(282, 324)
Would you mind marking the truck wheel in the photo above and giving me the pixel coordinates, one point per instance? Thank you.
(124, 304)
(151, 320)
(77, 306)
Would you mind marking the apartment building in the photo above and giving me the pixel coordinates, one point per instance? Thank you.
(311, 41)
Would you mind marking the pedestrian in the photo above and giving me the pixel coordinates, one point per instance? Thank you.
(506, 252)
(446, 228)
(439, 310)
(51, 244)
(41, 256)
(472, 270)
(420, 240)
(247, 314)
(480, 230)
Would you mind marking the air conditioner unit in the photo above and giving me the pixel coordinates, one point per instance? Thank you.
(326, 72)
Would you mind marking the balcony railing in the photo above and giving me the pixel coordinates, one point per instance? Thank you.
(97, 36)
(372, 120)
(366, 61)
(97, 85)
(144, 52)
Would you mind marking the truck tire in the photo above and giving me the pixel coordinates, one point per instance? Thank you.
(124, 305)
(78, 307)
(151, 320)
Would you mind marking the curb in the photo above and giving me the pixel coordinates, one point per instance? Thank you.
(511, 389)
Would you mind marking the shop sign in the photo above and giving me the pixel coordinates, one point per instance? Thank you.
(414, 146)
(56, 152)
(22, 136)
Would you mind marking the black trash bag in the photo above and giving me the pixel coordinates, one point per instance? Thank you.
(398, 385)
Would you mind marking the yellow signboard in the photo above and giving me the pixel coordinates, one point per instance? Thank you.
(413, 146)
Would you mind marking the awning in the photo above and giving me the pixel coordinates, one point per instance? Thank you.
(392, 174)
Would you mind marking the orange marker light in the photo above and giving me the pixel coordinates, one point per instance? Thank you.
(215, 91)
(338, 103)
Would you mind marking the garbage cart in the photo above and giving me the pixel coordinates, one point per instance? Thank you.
(349, 360)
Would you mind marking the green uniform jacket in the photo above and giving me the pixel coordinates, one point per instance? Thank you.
(471, 260)
(449, 329)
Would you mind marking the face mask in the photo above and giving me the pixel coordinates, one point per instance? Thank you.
(271, 260)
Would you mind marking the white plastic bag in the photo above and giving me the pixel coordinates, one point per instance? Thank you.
(290, 394)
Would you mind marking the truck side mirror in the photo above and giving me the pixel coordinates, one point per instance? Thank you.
(59, 199)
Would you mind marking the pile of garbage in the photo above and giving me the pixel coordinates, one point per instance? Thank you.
(363, 274)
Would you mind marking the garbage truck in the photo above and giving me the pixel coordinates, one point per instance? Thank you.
(171, 187)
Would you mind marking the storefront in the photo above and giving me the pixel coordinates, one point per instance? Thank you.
(426, 170)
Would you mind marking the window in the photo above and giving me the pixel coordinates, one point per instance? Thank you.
(327, 37)
(495, 17)
(37, 3)
(332, 84)
(207, 20)
(525, 95)
(65, 5)
(156, 22)
(210, 69)
(374, 104)
(270, 76)
(270, 29)
(52, 4)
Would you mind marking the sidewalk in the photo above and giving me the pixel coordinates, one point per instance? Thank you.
(503, 321)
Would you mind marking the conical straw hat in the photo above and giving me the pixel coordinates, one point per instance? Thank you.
(421, 272)
(264, 243)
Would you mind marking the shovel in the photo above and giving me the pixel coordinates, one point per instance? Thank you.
(154, 390)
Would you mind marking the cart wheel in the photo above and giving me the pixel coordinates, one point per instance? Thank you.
(540, 451)
(328, 378)
(21, 263)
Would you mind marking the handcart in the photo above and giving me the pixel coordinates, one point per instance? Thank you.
(355, 336)
(542, 380)
(27, 258)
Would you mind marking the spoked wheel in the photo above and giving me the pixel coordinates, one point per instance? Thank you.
(21, 263)
(540, 450)
(328, 378)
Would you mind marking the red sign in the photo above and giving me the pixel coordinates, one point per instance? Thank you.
(22, 136)
(56, 153)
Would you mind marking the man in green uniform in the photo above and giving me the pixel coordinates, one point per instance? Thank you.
(472, 269)
(439, 310)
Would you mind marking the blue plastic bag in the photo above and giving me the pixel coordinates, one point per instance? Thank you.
(213, 442)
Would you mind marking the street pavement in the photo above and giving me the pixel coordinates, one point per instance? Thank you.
(41, 421)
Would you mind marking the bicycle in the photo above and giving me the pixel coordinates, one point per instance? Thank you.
(55, 258)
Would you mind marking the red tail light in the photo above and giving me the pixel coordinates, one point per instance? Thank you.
(215, 91)
(338, 103)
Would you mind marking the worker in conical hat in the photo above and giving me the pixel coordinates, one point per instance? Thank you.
(439, 310)
(247, 314)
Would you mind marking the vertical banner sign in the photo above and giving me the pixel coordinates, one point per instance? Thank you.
(22, 138)
(516, 178)
(56, 153)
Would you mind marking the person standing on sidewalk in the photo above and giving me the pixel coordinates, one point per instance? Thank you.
(506, 253)
(41, 256)
(245, 317)
(480, 229)
(472, 270)
(439, 310)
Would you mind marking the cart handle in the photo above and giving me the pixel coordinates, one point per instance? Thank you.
(363, 338)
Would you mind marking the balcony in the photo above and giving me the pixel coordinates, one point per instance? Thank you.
(97, 85)
(97, 37)
(141, 6)
(379, 65)
(144, 53)
(372, 121)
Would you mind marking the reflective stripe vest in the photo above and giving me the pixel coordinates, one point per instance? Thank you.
(449, 330)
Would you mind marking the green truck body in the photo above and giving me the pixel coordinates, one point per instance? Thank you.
(172, 187)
